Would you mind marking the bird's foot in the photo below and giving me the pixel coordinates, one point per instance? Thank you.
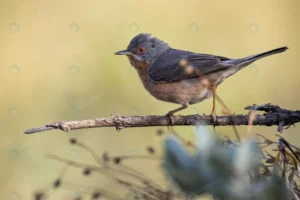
(171, 119)
(214, 118)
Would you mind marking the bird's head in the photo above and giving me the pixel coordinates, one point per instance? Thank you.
(144, 48)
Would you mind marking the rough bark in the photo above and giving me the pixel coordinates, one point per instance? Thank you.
(274, 115)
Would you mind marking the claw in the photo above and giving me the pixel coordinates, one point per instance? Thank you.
(214, 119)
(171, 119)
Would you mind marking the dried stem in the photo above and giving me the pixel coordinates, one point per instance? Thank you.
(273, 115)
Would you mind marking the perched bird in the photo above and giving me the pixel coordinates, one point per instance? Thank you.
(179, 76)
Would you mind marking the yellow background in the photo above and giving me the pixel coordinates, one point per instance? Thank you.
(58, 63)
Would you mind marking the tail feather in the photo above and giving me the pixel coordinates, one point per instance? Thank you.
(250, 59)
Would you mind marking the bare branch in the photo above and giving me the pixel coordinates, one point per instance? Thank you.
(273, 115)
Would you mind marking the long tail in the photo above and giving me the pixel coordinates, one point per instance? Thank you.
(248, 60)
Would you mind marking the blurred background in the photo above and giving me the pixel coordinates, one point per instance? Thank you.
(58, 63)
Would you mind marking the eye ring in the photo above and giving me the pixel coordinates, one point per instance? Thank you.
(141, 50)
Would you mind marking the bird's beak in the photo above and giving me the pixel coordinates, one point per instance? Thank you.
(123, 52)
(128, 53)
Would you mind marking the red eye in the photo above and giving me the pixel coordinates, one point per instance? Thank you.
(141, 50)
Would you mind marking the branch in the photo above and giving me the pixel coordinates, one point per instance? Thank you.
(273, 115)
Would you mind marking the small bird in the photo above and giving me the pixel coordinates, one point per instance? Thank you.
(179, 76)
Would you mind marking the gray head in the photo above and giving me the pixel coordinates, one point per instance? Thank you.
(144, 48)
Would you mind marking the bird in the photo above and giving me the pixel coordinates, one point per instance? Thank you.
(179, 76)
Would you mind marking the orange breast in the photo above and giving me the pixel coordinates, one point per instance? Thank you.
(189, 90)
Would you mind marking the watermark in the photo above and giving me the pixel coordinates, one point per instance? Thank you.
(134, 28)
(254, 69)
(95, 99)
(134, 110)
(74, 110)
(193, 111)
(14, 69)
(74, 153)
(74, 69)
(91, 102)
(194, 27)
(14, 154)
(74, 27)
(14, 112)
(253, 27)
(134, 152)
(14, 196)
(130, 67)
(14, 27)
(132, 195)
(72, 196)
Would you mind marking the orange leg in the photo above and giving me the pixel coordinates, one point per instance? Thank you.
(213, 112)
(171, 113)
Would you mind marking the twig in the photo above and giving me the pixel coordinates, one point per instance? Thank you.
(273, 115)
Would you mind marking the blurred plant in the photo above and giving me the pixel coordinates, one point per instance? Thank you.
(226, 169)
(14, 69)
(111, 166)
(74, 27)
(14, 27)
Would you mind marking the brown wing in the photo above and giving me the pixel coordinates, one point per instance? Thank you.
(167, 67)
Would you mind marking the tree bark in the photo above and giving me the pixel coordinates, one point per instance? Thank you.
(273, 115)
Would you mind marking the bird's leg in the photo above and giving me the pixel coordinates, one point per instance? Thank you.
(170, 113)
(213, 112)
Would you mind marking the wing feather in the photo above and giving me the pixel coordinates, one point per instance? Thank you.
(167, 67)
